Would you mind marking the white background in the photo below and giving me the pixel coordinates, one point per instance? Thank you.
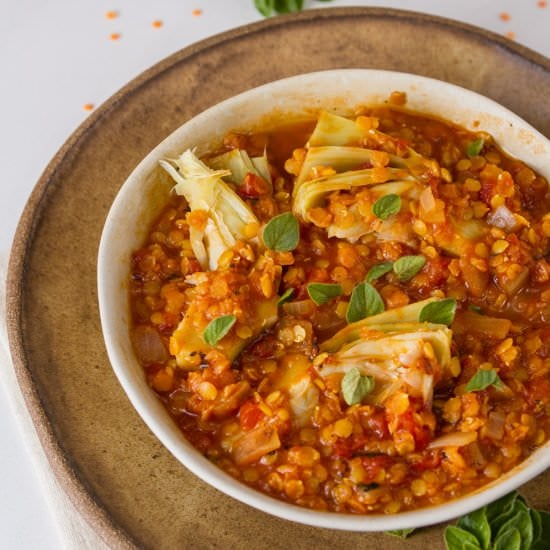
(55, 57)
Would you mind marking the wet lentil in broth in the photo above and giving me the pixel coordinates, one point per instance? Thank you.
(445, 414)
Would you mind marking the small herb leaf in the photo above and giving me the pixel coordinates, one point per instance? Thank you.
(285, 296)
(476, 523)
(378, 270)
(408, 266)
(509, 540)
(364, 302)
(282, 233)
(483, 379)
(475, 147)
(441, 312)
(455, 538)
(355, 386)
(475, 309)
(323, 292)
(218, 328)
(386, 206)
(401, 533)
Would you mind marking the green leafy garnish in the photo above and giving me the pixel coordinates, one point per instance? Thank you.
(378, 270)
(386, 206)
(355, 386)
(506, 524)
(365, 301)
(408, 266)
(401, 533)
(271, 7)
(218, 328)
(323, 292)
(282, 233)
(483, 379)
(285, 296)
(441, 312)
(475, 309)
(475, 147)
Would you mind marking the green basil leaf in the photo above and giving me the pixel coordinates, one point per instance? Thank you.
(218, 328)
(475, 309)
(476, 523)
(408, 266)
(537, 524)
(355, 387)
(470, 546)
(401, 533)
(475, 147)
(285, 296)
(482, 379)
(378, 270)
(288, 6)
(503, 506)
(441, 312)
(509, 540)
(323, 292)
(386, 206)
(265, 7)
(520, 521)
(541, 543)
(455, 537)
(364, 302)
(282, 233)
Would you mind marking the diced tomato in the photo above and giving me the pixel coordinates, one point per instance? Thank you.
(253, 186)
(249, 415)
(378, 424)
(429, 462)
(421, 434)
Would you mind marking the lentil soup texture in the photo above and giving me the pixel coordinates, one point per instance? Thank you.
(352, 314)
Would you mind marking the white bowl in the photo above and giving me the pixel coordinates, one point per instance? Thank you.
(139, 201)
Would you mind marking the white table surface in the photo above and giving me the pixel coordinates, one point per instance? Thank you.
(58, 56)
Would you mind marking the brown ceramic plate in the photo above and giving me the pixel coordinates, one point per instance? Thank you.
(123, 481)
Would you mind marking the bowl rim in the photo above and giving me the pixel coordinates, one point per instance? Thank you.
(190, 457)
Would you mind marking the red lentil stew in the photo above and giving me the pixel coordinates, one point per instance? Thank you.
(352, 314)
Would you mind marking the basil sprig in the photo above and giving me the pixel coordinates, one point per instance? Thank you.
(407, 267)
(282, 233)
(482, 379)
(355, 386)
(441, 312)
(285, 296)
(506, 524)
(321, 293)
(387, 206)
(475, 147)
(364, 302)
(378, 270)
(218, 328)
(271, 7)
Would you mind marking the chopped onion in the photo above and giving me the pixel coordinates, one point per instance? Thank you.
(303, 307)
(495, 425)
(148, 345)
(427, 200)
(503, 218)
(453, 439)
